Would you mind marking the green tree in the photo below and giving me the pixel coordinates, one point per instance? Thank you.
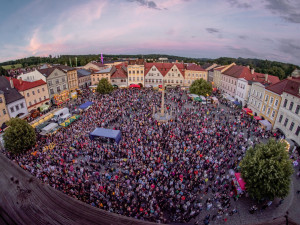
(104, 87)
(267, 170)
(19, 136)
(201, 87)
(3, 71)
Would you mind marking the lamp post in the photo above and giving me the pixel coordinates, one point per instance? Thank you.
(163, 100)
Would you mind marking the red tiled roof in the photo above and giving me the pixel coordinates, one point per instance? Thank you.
(239, 72)
(164, 68)
(99, 64)
(290, 85)
(261, 78)
(220, 68)
(278, 87)
(119, 73)
(194, 67)
(21, 85)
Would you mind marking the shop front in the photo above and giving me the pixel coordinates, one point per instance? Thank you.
(61, 98)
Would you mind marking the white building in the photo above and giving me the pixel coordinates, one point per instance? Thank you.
(242, 91)
(32, 76)
(288, 119)
(15, 102)
(256, 97)
(153, 74)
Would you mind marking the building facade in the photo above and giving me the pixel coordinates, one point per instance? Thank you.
(71, 77)
(153, 74)
(32, 76)
(104, 73)
(15, 102)
(84, 78)
(119, 77)
(57, 82)
(288, 119)
(194, 72)
(36, 93)
(135, 72)
(3, 110)
(175, 75)
(217, 74)
(242, 91)
(257, 93)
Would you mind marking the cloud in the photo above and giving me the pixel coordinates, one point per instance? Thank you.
(239, 4)
(212, 30)
(287, 9)
(290, 47)
(146, 3)
(243, 37)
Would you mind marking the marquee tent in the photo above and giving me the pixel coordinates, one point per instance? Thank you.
(85, 105)
(107, 133)
(265, 124)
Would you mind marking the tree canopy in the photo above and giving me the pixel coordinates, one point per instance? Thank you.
(19, 136)
(201, 87)
(267, 170)
(104, 87)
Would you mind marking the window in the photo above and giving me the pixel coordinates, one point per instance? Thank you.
(65, 87)
(38, 90)
(285, 103)
(17, 107)
(4, 112)
(1, 100)
(40, 99)
(273, 114)
(30, 104)
(292, 126)
(271, 100)
(137, 79)
(297, 109)
(133, 79)
(268, 112)
(260, 96)
(129, 78)
(22, 105)
(51, 91)
(276, 102)
(50, 83)
(297, 131)
(35, 101)
(258, 105)
(141, 78)
(285, 122)
(267, 97)
(291, 106)
(12, 109)
(43, 89)
(57, 81)
(27, 94)
(44, 97)
(280, 118)
(58, 89)
(33, 93)
(63, 79)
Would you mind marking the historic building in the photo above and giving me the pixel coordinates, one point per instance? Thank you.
(84, 78)
(3, 110)
(119, 77)
(154, 74)
(135, 72)
(194, 72)
(36, 92)
(71, 76)
(175, 75)
(96, 76)
(288, 119)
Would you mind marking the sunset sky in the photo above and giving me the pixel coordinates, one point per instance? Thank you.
(265, 29)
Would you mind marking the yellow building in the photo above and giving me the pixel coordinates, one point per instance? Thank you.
(36, 93)
(271, 101)
(3, 110)
(194, 72)
(96, 76)
(135, 71)
(217, 74)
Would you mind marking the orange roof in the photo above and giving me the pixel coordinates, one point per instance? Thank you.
(194, 67)
(119, 73)
(21, 85)
(290, 85)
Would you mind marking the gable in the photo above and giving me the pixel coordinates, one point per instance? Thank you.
(55, 74)
(154, 70)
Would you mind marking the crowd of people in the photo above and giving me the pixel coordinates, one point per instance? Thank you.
(160, 172)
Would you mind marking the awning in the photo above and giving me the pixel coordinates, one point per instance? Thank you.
(247, 110)
(240, 181)
(266, 124)
(85, 105)
(236, 102)
(257, 118)
(108, 133)
(44, 107)
(198, 99)
(134, 86)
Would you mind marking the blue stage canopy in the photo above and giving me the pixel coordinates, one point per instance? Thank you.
(236, 102)
(108, 133)
(85, 105)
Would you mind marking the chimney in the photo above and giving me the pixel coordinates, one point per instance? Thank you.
(266, 77)
(248, 67)
(11, 83)
(252, 71)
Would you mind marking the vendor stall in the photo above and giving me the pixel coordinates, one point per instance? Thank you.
(265, 124)
(239, 184)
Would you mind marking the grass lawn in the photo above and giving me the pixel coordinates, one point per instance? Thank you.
(7, 67)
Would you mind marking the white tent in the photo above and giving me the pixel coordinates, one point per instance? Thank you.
(266, 124)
